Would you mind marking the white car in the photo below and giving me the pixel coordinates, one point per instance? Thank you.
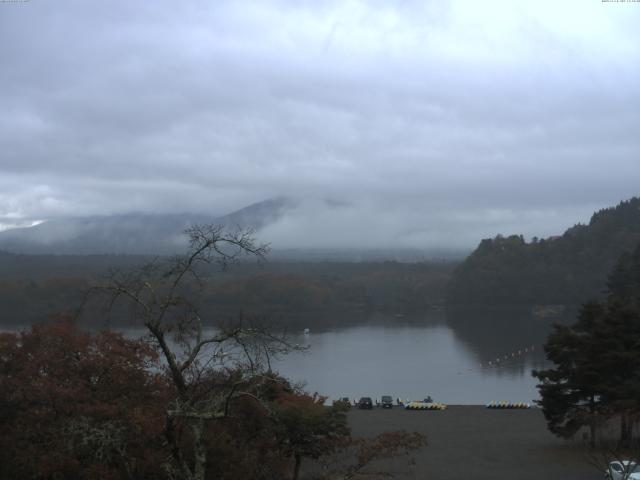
(623, 470)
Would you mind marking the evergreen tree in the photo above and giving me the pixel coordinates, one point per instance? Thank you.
(571, 392)
(596, 372)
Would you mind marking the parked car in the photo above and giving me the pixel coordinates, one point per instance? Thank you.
(344, 401)
(365, 403)
(622, 470)
(386, 401)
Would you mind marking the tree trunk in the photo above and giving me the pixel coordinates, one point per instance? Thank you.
(592, 434)
(199, 450)
(593, 422)
(296, 467)
(625, 431)
(176, 453)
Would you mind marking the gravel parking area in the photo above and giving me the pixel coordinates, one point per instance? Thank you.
(475, 443)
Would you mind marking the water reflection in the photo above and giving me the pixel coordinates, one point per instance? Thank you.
(450, 355)
(443, 355)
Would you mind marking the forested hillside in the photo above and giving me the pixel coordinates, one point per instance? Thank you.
(568, 269)
(34, 287)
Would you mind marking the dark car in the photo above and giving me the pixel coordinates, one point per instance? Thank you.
(386, 401)
(344, 402)
(365, 403)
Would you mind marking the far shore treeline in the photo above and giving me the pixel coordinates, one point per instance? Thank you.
(503, 271)
(34, 287)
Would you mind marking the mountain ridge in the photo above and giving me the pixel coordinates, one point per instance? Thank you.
(131, 233)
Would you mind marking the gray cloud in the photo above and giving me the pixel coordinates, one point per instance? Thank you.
(436, 122)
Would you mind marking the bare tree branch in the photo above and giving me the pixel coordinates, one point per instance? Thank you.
(161, 296)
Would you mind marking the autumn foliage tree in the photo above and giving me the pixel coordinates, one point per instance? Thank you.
(190, 401)
(76, 405)
(308, 429)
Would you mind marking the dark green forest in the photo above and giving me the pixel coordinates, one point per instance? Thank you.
(34, 287)
(503, 271)
(595, 375)
(567, 269)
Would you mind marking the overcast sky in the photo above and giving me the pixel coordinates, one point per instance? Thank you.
(424, 122)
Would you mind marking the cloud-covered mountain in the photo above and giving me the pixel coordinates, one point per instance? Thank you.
(132, 233)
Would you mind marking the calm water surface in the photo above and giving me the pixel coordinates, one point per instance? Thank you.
(470, 357)
(416, 361)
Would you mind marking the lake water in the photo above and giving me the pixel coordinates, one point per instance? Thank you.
(456, 357)
(452, 361)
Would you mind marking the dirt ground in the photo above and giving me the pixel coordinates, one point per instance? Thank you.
(475, 443)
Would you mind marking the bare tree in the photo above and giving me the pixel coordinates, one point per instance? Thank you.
(208, 368)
